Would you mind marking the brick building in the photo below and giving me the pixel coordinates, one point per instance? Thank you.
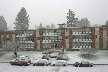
(61, 37)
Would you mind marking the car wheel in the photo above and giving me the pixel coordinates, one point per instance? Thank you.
(91, 65)
(53, 64)
(46, 64)
(76, 66)
(64, 65)
(33, 64)
(25, 64)
(21, 64)
(11, 63)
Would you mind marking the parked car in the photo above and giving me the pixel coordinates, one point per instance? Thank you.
(62, 57)
(41, 62)
(83, 64)
(46, 52)
(22, 60)
(59, 63)
(45, 56)
(54, 55)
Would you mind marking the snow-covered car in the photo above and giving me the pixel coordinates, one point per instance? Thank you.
(25, 58)
(54, 55)
(22, 60)
(59, 63)
(46, 52)
(45, 56)
(41, 62)
(18, 62)
(83, 64)
(62, 57)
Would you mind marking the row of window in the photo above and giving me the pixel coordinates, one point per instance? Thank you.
(82, 43)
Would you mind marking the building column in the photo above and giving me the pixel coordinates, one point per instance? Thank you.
(10, 36)
(63, 38)
(93, 37)
(16, 33)
(41, 39)
(107, 36)
(100, 37)
(0, 40)
(70, 38)
(35, 41)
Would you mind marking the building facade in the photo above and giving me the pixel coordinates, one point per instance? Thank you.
(61, 37)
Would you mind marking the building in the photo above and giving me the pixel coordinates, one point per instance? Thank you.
(61, 37)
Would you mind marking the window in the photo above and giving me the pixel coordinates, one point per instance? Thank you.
(96, 36)
(66, 37)
(38, 38)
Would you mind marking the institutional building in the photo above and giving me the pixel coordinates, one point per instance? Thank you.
(61, 37)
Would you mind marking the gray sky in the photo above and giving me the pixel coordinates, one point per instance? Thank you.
(54, 11)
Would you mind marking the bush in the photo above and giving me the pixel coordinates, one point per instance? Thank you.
(89, 56)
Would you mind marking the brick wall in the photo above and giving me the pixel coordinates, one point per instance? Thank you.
(70, 38)
(100, 37)
(93, 37)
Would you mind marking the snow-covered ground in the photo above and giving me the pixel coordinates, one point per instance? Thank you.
(6, 67)
(100, 58)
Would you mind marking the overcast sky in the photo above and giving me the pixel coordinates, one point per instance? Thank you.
(54, 11)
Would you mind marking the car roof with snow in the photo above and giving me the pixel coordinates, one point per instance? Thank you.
(24, 55)
(61, 61)
(42, 61)
(84, 62)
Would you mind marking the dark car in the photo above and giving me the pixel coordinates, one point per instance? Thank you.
(45, 56)
(62, 57)
(83, 64)
(41, 62)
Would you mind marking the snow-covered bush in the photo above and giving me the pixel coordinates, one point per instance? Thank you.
(88, 52)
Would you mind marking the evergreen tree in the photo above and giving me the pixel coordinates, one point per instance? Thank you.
(106, 23)
(83, 22)
(52, 25)
(22, 20)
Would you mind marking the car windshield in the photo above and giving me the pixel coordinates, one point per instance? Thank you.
(42, 61)
(84, 62)
(60, 62)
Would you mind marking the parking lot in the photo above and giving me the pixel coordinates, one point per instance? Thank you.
(6, 67)
(100, 63)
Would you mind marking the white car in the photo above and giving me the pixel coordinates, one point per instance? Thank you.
(54, 55)
(59, 63)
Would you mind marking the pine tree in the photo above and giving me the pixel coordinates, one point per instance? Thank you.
(22, 20)
(106, 23)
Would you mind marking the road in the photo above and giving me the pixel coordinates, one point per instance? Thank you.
(6, 67)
